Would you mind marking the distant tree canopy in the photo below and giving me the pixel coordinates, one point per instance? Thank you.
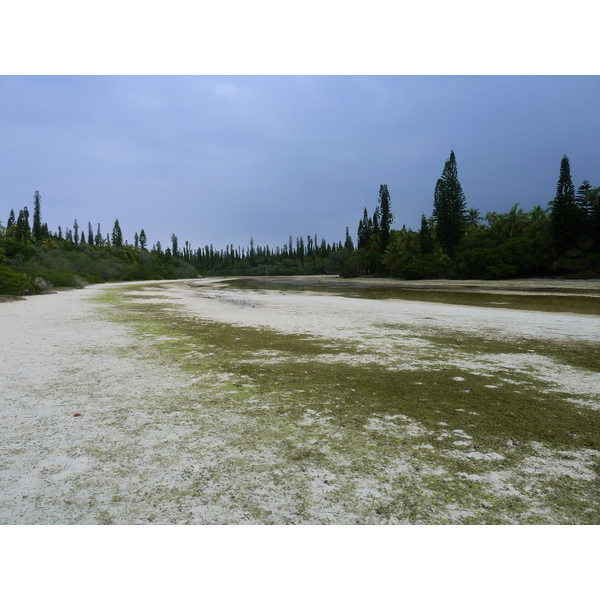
(561, 240)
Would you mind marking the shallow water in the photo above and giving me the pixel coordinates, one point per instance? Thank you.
(573, 301)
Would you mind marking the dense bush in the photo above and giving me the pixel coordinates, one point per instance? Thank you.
(64, 264)
(16, 284)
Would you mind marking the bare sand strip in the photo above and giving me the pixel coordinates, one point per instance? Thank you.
(131, 456)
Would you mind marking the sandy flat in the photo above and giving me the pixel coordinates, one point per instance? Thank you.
(126, 458)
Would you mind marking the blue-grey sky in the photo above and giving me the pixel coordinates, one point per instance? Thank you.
(217, 160)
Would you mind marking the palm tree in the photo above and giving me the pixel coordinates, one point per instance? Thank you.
(403, 246)
(588, 197)
(514, 222)
(473, 218)
(491, 217)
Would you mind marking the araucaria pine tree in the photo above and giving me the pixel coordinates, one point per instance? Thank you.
(143, 240)
(37, 216)
(117, 235)
(22, 228)
(11, 223)
(365, 230)
(566, 215)
(385, 215)
(449, 208)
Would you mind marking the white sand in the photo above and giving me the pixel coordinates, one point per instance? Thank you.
(134, 457)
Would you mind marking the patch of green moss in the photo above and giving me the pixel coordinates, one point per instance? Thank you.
(301, 376)
(278, 382)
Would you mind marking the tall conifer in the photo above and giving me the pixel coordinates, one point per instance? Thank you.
(386, 217)
(449, 208)
(117, 235)
(37, 216)
(566, 216)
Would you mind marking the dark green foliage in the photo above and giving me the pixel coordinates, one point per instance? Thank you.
(37, 216)
(348, 244)
(59, 278)
(98, 239)
(510, 259)
(10, 224)
(65, 264)
(449, 208)
(386, 216)
(426, 241)
(565, 187)
(117, 235)
(143, 240)
(11, 248)
(568, 217)
(16, 284)
(374, 235)
(563, 241)
(22, 230)
(365, 231)
(428, 266)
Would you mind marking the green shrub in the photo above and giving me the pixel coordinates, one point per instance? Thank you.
(16, 284)
(11, 248)
(60, 278)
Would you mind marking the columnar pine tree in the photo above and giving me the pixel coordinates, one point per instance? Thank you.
(365, 230)
(377, 221)
(143, 240)
(566, 215)
(117, 235)
(11, 223)
(22, 228)
(386, 216)
(37, 216)
(449, 208)
(90, 239)
(76, 230)
(348, 244)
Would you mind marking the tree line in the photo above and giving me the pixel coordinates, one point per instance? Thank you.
(456, 242)
(562, 239)
(76, 255)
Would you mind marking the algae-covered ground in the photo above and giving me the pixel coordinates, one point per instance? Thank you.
(400, 424)
(239, 405)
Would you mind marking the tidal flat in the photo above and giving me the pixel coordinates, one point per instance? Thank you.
(305, 402)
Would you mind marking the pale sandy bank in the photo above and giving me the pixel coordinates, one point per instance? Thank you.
(132, 456)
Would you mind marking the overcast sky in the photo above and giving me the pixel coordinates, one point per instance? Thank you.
(217, 160)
